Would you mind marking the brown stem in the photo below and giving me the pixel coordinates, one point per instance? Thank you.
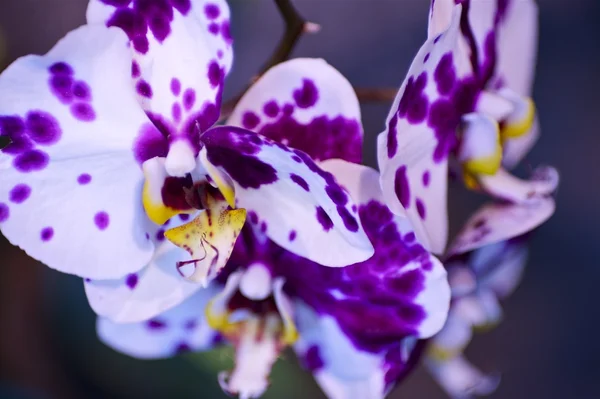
(295, 26)
(371, 94)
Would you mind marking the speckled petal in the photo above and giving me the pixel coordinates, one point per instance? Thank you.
(498, 222)
(147, 293)
(298, 205)
(503, 185)
(421, 133)
(305, 104)
(182, 52)
(175, 331)
(70, 186)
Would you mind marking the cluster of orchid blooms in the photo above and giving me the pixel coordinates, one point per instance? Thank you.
(268, 232)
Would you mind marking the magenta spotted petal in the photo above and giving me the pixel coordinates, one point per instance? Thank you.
(70, 181)
(305, 104)
(421, 133)
(179, 66)
(302, 207)
(179, 330)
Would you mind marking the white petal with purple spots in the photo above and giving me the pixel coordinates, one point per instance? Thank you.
(421, 133)
(70, 192)
(182, 52)
(144, 294)
(306, 104)
(178, 330)
(299, 206)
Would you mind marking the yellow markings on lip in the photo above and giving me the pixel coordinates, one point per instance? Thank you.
(209, 239)
(516, 127)
(440, 354)
(485, 165)
(219, 321)
(157, 212)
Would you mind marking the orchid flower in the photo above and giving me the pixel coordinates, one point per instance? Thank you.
(479, 280)
(466, 95)
(356, 328)
(112, 140)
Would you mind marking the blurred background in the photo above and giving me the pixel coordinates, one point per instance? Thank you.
(546, 347)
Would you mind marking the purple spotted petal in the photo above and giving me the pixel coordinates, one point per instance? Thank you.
(69, 177)
(181, 329)
(305, 104)
(289, 193)
(142, 295)
(179, 65)
(421, 132)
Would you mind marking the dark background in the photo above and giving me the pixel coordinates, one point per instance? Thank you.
(547, 346)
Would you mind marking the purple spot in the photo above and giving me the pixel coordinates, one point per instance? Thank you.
(31, 161)
(414, 104)
(288, 109)
(4, 212)
(292, 235)
(61, 68)
(156, 324)
(189, 99)
(263, 227)
(131, 280)
(271, 109)
(144, 89)
(62, 87)
(83, 111)
(445, 75)
(150, 143)
(253, 217)
(392, 136)
(307, 95)
(299, 181)
(220, 54)
(426, 178)
(420, 208)
(214, 28)
(101, 219)
(426, 58)
(190, 324)
(184, 217)
(134, 25)
(312, 359)
(215, 74)
(175, 86)
(297, 158)
(437, 38)
(160, 27)
(43, 128)
(47, 233)
(82, 91)
(401, 186)
(349, 221)
(212, 11)
(182, 347)
(183, 6)
(19, 193)
(410, 237)
(226, 32)
(176, 112)
(160, 235)
(337, 195)
(250, 120)
(324, 219)
(135, 70)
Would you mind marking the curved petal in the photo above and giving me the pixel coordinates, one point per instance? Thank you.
(508, 187)
(342, 370)
(182, 52)
(400, 263)
(178, 330)
(517, 45)
(145, 294)
(305, 104)
(70, 192)
(498, 222)
(421, 132)
(460, 379)
(300, 206)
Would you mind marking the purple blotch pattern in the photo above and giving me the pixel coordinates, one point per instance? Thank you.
(76, 94)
